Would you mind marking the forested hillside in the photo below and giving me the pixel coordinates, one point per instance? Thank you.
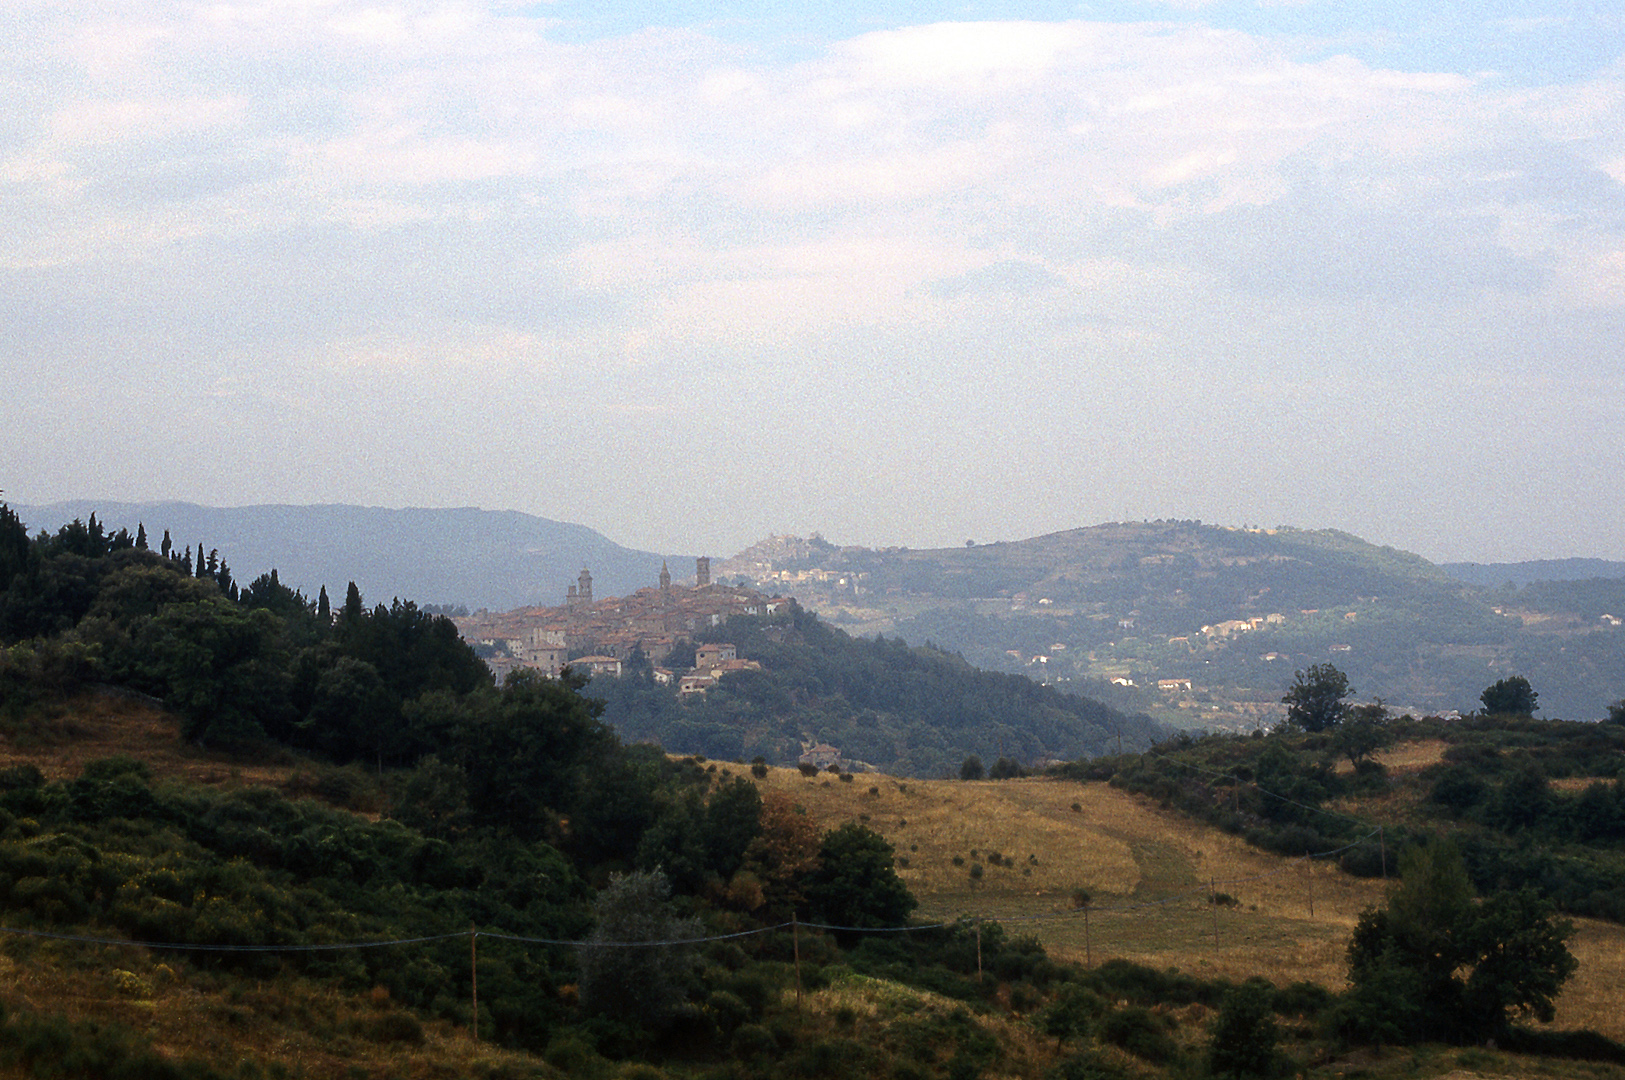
(906, 711)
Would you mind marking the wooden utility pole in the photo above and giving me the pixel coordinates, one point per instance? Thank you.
(795, 930)
(1213, 902)
(1382, 847)
(1088, 956)
(474, 979)
(1309, 871)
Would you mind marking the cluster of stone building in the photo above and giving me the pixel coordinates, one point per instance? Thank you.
(596, 636)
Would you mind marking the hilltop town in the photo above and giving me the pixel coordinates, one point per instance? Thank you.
(596, 636)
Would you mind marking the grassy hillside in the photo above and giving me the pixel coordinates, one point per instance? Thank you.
(1147, 870)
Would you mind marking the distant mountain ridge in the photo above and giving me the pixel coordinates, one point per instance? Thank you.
(1495, 575)
(496, 559)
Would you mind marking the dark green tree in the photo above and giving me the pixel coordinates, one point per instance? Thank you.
(13, 545)
(353, 611)
(1509, 697)
(971, 769)
(1072, 1014)
(1435, 965)
(1363, 732)
(856, 883)
(140, 536)
(324, 610)
(1245, 1035)
(1616, 712)
(1316, 699)
(640, 985)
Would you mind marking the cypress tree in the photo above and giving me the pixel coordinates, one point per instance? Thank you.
(324, 610)
(140, 536)
(202, 567)
(167, 546)
(352, 604)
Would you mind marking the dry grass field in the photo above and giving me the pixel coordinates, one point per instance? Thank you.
(1148, 873)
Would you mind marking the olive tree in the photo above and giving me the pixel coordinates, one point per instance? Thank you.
(1509, 697)
(1316, 700)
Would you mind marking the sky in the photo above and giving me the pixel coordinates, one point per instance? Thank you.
(900, 273)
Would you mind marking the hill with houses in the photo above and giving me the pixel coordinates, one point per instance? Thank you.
(1203, 625)
(736, 673)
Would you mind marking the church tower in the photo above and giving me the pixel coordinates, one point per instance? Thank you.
(584, 590)
(665, 577)
(702, 571)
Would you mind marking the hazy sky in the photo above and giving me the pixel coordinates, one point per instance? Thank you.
(691, 273)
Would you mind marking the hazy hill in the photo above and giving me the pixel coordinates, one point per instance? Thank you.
(478, 558)
(1234, 611)
(1495, 575)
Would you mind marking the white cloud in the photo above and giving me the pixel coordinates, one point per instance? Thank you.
(403, 187)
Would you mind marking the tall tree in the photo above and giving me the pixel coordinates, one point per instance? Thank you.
(1317, 698)
(1509, 697)
(856, 883)
(13, 545)
(1435, 965)
(353, 611)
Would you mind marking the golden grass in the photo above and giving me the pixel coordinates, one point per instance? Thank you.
(1148, 872)
(94, 726)
(306, 1027)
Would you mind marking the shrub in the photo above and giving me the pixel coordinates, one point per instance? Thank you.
(1136, 1030)
(1245, 1034)
(807, 768)
(752, 1041)
(393, 1027)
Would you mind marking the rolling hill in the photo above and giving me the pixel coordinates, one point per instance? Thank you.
(1203, 626)
(474, 558)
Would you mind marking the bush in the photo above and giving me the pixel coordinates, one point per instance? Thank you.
(1245, 1034)
(752, 1041)
(394, 1027)
(1136, 1030)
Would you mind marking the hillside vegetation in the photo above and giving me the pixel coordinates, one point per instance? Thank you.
(908, 711)
(244, 833)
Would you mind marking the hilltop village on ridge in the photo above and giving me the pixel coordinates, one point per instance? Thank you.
(595, 636)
